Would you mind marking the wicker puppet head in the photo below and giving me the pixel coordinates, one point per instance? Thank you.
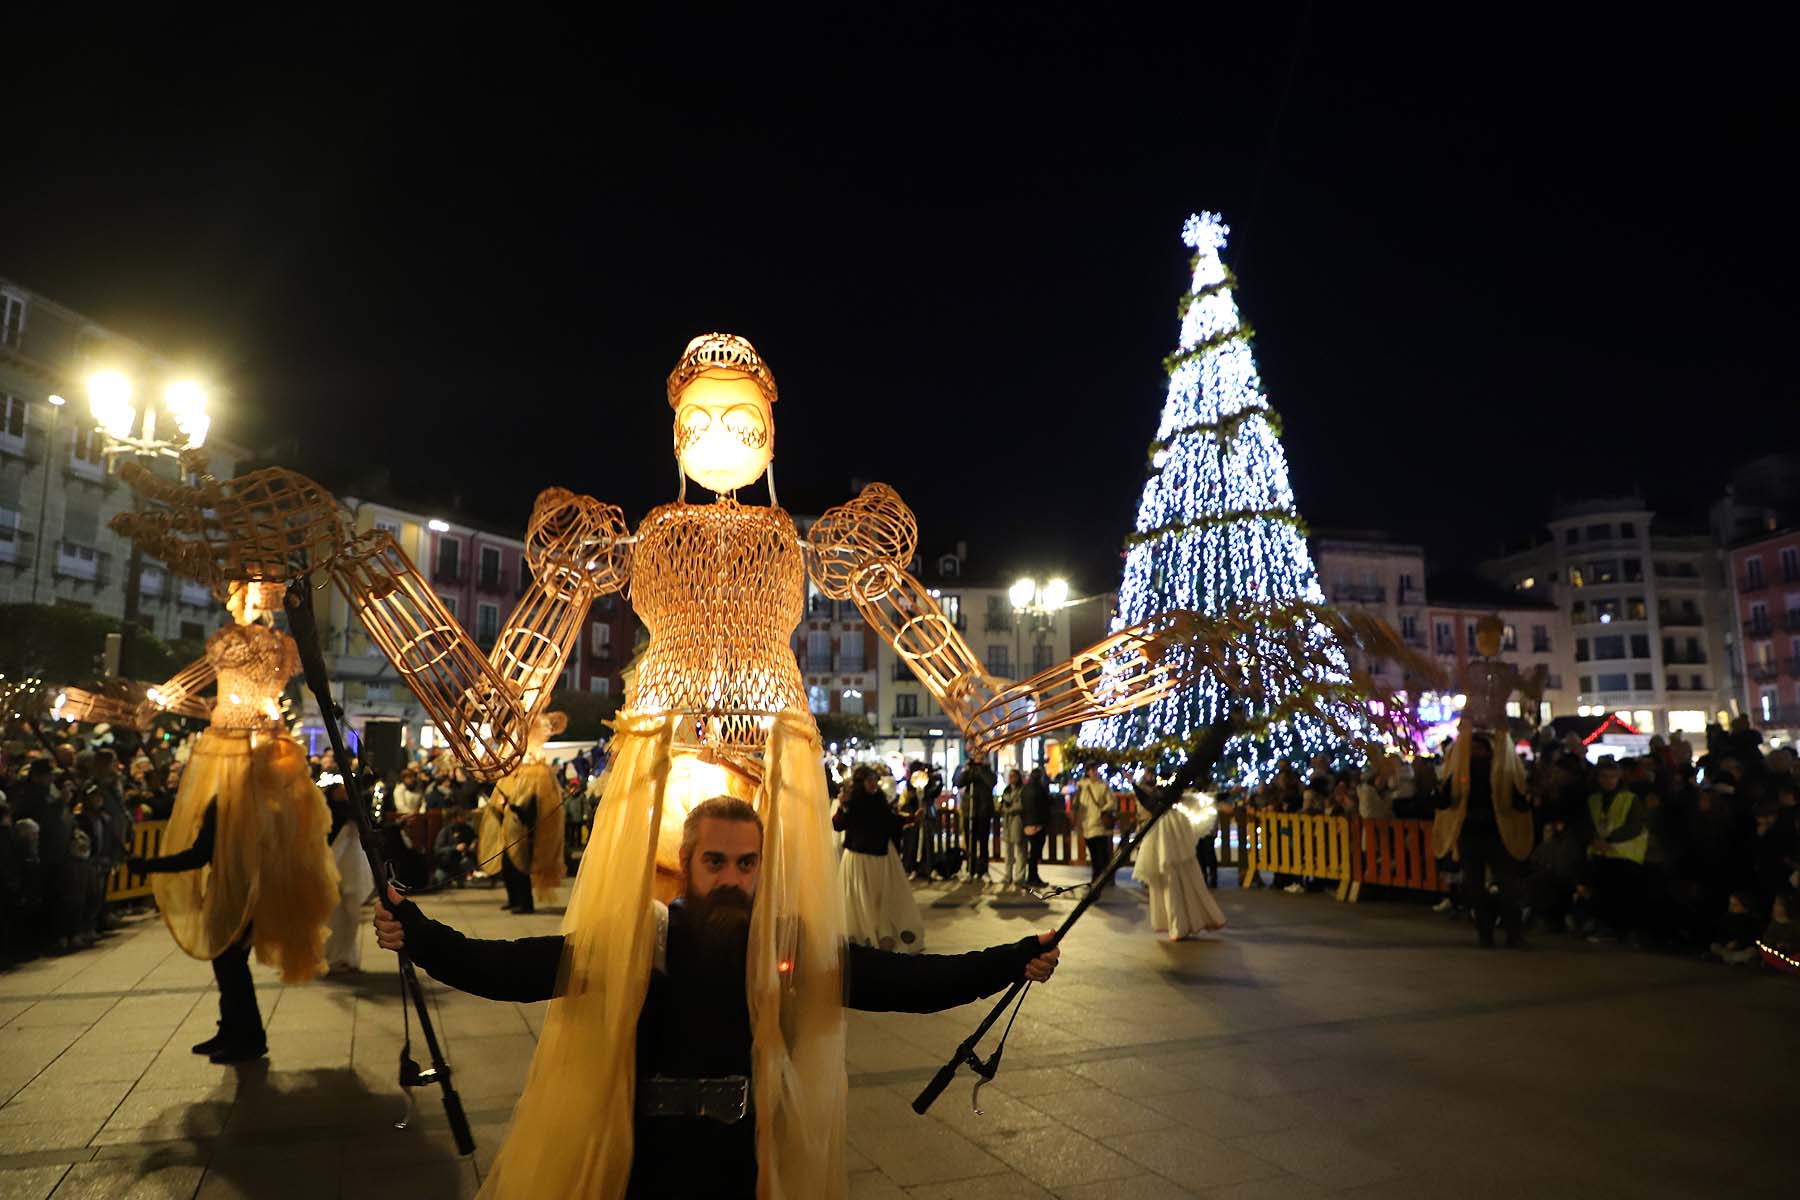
(723, 395)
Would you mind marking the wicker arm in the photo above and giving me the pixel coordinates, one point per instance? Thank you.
(180, 692)
(99, 708)
(484, 704)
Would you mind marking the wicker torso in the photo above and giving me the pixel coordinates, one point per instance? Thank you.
(721, 588)
(253, 663)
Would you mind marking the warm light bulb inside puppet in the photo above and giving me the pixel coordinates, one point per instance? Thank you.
(692, 778)
(724, 430)
(249, 602)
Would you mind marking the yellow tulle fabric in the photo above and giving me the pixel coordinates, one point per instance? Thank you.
(271, 866)
(490, 840)
(572, 1129)
(544, 841)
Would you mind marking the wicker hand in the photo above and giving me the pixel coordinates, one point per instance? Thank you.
(575, 544)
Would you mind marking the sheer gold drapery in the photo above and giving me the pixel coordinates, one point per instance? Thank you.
(586, 1056)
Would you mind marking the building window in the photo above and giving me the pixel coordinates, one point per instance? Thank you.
(1406, 588)
(9, 535)
(12, 318)
(1603, 571)
(1571, 536)
(1759, 619)
(1578, 611)
(1576, 579)
(1587, 683)
(85, 454)
(1040, 657)
(1627, 529)
(192, 631)
(600, 685)
(1753, 571)
(1469, 635)
(487, 623)
(1609, 647)
(999, 661)
(1540, 639)
(1770, 700)
(1634, 570)
(449, 560)
(1614, 683)
(1695, 682)
(850, 701)
(490, 569)
(1640, 682)
(1790, 564)
(1581, 649)
(1599, 533)
(600, 641)
(1409, 628)
(818, 651)
(388, 526)
(906, 704)
(1672, 683)
(1636, 609)
(1509, 638)
(12, 423)
(449, 603)
(952, 606)
(1640, 645)
(524, 574)
(1442, 638)
(949, 566)
(1606, 610)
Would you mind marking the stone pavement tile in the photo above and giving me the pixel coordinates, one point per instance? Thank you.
(1058, 1157)
(910, 1151)
(310, 1051)
(1034, 1081)
(873, 1185)
(1214, 1114)
(72, 1070)
(1275, 1187)
(40, 1101)
(1194, 1161)
(1001, 1116)
(985, 1187)
(64, 1011)
(1325, 1158)
(10, 1010)
(31, 1183)
(451, 1180)
(103, 1039)
(156, 1012)
(1137, 1187)
(53, 1135)
(165, 1114)
(875, 1050)
(262, 1171)
(1100, 1114)
(855, 1160)
(1133, 1076)
(127, 1180)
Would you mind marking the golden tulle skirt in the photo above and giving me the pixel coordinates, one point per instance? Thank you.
(271, 869)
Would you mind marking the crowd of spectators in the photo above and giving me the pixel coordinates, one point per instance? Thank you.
(71, 799)
(1673, 848)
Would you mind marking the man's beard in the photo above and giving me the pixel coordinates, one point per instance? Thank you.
(720, 921)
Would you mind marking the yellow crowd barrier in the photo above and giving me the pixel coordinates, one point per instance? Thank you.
(146, 842)
(1297, 844)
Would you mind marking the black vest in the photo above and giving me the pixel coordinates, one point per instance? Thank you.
(695, 1023)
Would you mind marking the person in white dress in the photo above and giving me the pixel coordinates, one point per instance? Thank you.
(356, 883)
(879, 909)
(1169, 868)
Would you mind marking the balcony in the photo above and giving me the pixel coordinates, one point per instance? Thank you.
(816, 664)
(1764, 672)
(489, 581)
(818, 606)
(447, 573)
(1686, 616)
(1790, 620)
(998, 622)
(1553, 683)
(1685, 657)
(1752, 583)
(84, 564)
(194, 595)
(903, 674)
(15, 546)
(1350, 593)
(1758, 628)
(850, 666)
(153, 583)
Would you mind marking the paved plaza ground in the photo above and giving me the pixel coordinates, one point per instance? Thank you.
(1313, 1048)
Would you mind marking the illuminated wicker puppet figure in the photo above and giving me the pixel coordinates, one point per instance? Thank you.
(716, 708)
(1488, 822)
(245, 863)
(527, 806)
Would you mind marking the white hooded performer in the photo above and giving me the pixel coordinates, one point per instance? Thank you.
(356, 883)
(1169, 868)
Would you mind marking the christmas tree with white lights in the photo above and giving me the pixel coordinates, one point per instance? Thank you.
(1216, 528)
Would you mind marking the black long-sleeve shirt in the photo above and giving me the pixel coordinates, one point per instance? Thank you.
(525, 969)
(868, 824)
(195, 856)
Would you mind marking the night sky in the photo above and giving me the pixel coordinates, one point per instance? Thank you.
(1490, 263)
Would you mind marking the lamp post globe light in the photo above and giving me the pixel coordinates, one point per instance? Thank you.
(125, 429)
(1040, 602)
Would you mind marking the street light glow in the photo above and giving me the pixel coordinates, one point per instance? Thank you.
(186, 402)
(1056, 592)
(109, 398)
(1022, 591)
(56, 401)
(437, 526)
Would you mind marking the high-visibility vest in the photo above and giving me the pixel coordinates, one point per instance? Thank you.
(1608, 817)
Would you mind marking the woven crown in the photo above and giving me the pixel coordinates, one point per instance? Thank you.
(721, 352)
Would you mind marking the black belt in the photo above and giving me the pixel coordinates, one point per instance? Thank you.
(725, 1099)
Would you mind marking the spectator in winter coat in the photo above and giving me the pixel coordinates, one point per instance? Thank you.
(1012, 829)
(1092, 814)
(1037, 822)
(975, 783)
